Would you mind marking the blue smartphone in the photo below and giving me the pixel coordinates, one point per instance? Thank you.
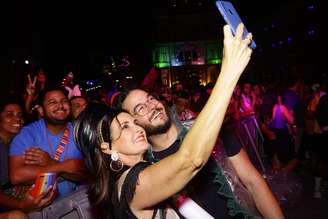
(232, 18)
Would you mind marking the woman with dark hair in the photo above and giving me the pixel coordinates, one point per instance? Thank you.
(11, 122)
(114, 145)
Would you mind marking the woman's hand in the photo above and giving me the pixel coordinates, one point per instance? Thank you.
(236, 53)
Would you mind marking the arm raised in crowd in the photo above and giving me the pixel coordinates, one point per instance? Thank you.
(30, 89)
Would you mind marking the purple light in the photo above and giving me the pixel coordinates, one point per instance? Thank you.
(289, 40)
(274, 45)
(311, 32)
(311, 8)
(89, 83)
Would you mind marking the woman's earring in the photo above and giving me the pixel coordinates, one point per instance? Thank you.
(115, 164)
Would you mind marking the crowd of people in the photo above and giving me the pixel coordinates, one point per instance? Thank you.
(142, 150)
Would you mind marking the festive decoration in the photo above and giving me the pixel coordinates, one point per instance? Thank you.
(75, 92)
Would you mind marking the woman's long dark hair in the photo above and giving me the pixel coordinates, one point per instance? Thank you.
(91, 128)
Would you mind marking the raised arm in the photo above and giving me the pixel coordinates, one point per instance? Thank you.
(171, 174)
(201, 138)
(30, 89)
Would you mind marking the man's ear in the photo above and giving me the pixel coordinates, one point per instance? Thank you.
(105, 148)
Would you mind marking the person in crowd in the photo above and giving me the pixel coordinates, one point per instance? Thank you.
(198, 99)
(247, 100)
(165, 94)
(276, 123)
(78, 104)
(181, 103)
(178, 87)
(233, 114)
(291, 97)
(11, 122)
(321, 139)
(210, 188)
(257, 94)
(33, 88)
(311, 129)
(47, 145)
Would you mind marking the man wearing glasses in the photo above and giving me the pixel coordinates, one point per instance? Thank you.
(209, 188)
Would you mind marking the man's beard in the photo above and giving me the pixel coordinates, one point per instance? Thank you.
(55, 121)
(160, 129)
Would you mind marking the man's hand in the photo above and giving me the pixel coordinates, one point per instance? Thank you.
(30, 203)
(36, 156)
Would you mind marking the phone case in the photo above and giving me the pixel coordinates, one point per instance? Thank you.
(232, 18)
(42, 183)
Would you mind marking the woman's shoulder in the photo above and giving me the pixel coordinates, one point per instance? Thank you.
(130, 176)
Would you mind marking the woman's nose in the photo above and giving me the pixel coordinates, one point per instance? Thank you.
(17, 118)
(138, 128)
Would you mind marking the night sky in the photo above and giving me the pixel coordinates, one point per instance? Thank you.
(61, 36)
